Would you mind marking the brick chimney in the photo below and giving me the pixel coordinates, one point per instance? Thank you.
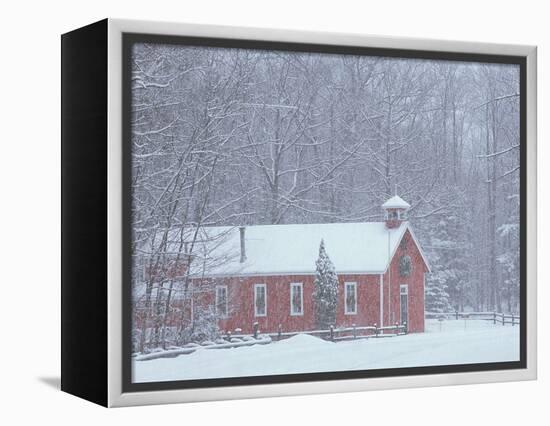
(242, 230)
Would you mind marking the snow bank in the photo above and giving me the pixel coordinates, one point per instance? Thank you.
(444, 343)
(192, 347)
(304, 340)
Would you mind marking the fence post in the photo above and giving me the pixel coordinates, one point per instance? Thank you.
(376, 329)
(502, 319)
(406, 329)
(456, 315)
(396, 328)
(256, 326)
(279, 332)
(513, 318)
(494, 318)
(354, 331)
(332, 333)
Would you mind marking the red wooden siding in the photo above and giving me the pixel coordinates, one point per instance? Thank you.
(368, 300)
(415, 282)
(241, 313)
(242, 316)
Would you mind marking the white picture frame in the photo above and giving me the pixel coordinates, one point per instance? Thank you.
(116, 395)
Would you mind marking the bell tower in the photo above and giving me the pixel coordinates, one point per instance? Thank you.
(395, 211)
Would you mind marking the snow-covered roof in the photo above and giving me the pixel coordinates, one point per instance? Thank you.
(396, 202)
(363, 247)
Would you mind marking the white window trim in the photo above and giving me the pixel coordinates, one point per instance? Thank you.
(346, 311)
(219, 287)
(256, 286)
(404, 293)
(292, 286)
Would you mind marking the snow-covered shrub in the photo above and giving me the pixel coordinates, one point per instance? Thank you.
(205, 324)
(136, 338)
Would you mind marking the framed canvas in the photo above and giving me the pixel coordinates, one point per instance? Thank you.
(251, 212)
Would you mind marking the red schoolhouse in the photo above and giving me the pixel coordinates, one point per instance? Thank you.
(265, 274)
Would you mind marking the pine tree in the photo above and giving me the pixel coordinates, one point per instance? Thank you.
(325, 294)
(437, 297)
(509, 266)
(447, 284)
(451, 253)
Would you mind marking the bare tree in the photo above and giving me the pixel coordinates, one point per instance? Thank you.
(236, 136)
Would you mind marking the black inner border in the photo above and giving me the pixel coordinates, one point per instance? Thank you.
(128, 39)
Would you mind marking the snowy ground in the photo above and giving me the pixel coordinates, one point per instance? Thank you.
(449, 342)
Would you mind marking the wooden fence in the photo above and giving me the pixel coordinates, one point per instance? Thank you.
(332, 333)
(495, 317)
(235, 340)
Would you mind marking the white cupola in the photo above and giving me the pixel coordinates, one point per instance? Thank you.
(395, 211)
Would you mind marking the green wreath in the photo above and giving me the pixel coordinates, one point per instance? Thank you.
(405, 266)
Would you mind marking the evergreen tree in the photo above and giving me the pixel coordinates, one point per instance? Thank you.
(509, 265)
(437, 297)
(447, 284)
(325, 294)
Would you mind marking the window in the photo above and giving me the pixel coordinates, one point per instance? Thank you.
(296, 299)
(404, 302)
(396, 214)
(350, 293)
(221, 301)
(260, 300)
